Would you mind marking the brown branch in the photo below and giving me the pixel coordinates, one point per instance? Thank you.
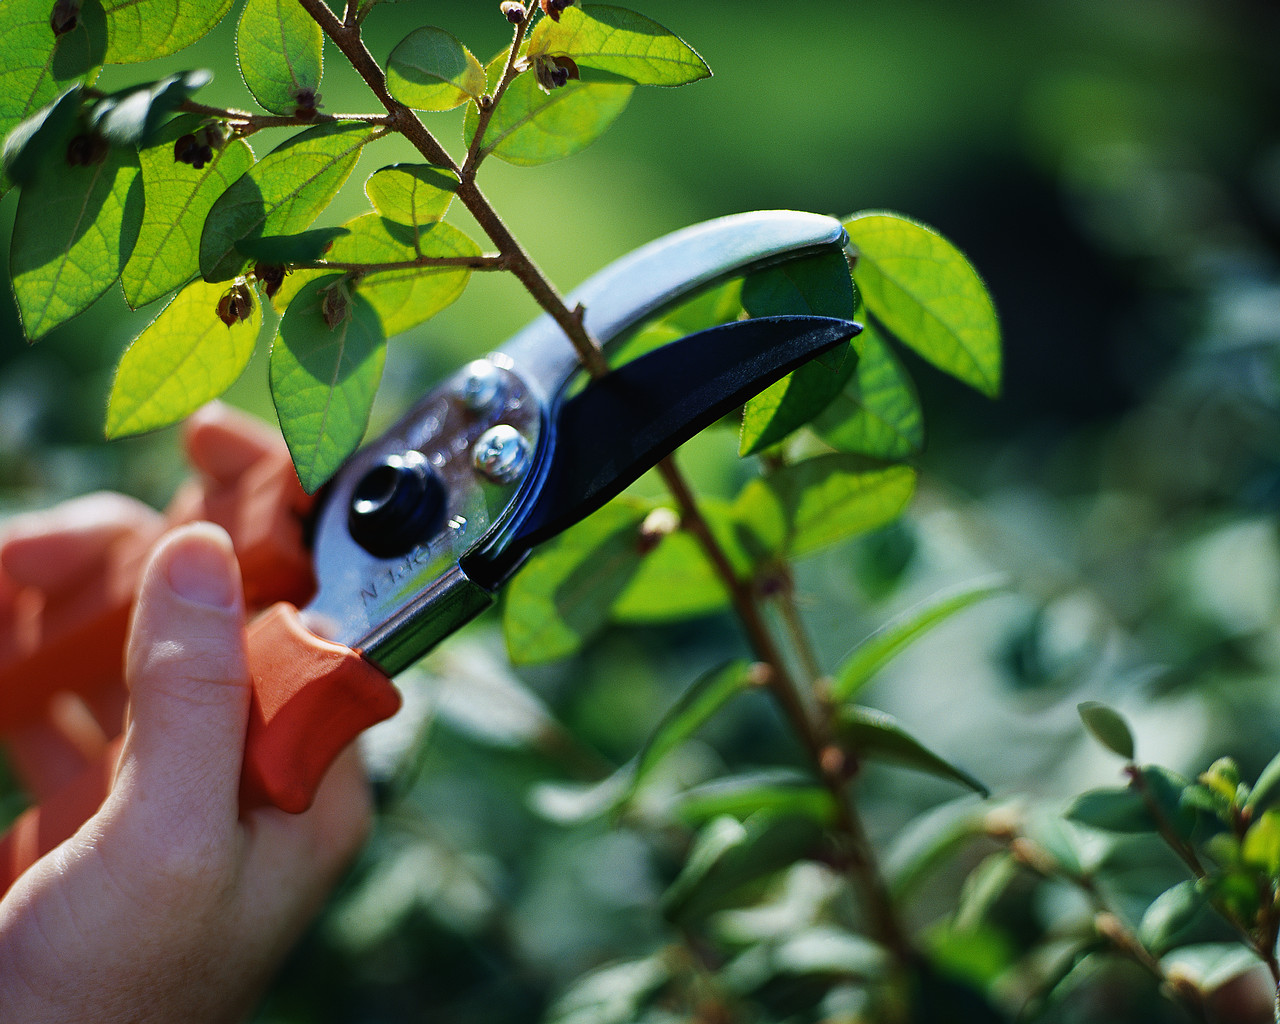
(254, 122)
(474, 153)
(488, 262)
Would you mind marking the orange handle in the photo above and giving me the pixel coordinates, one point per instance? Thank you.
(311, 698)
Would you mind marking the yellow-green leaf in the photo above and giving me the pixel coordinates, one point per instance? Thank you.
(140, 30)
(411, 193)
(280, 49)
(431, 70)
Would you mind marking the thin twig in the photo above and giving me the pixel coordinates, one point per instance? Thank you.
(474, 153)
(488, 262)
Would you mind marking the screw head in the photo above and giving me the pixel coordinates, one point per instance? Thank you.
(396, 505)
(484, 388)
(502, 454)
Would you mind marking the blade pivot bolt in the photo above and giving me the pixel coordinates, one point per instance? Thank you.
(396, 505)
(484, 388)
(502, 454)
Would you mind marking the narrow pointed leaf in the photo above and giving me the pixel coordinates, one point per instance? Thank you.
(324, 378)
(877, 414)
(282, 194)
(140, 30)
(411, 193)
(892, 638)
(431, 70)
(132, 117)
(834, 497)
(1108, 727)
(565, 591)
(923, 289)
(872, 735)
(72, 236)
(531, 127)
(280, 49)
(772, 792)
(178, 198)
(185, 358)
(621, 42)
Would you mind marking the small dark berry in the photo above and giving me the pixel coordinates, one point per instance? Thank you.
(514, 12)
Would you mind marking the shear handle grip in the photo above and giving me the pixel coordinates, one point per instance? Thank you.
(311, 698)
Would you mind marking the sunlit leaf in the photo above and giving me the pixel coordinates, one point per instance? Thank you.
(872, 735)
(72, 236)
(131, 117)
(325, 367)
(816, 286)
(185, 358)
(143, 29)
(619, 41)
(36, 65)
(430, 70)
(282, 194)
(877, 413)
(923, 289)
(741, 796)
(1261, 847)
(833, 497)
(411, 193)
(887, 642)
(178, 198)
(280, 49)
(1108, 727)
(564, 593)
(531, 127)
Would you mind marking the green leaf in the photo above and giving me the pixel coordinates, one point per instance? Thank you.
(304, 247)
(621, 42)
(817, 286)
(922, 288)
(929, 841)
(675, 581)
(72, 236)
(833, 497)
(564, 593)
(280, 49)
(877, 414)
(1212, 965)
(872, 735)
(430, 70)
(741, 796)
(36, 66)
(178, 198)
(185, 358)
(895, 636)
(131, 117)
(985, 884)
(1261, 848)
(1111, 810)
(282, 194)
(42, 136)
(1108, 727)
(1171, 915)
(614, 994)
(140, 30)
(1267, 788)
(324, 378)
(411, 193)
(531, 127)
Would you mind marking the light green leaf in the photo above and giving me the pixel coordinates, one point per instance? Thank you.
(741, 796)
(872, 735)
(675, 581)
(1108, 727)
(564, 593)
(621, 42)
(923, 289)
(430, 70)
(877, 414)
(616, 994)
(1267, 788)
(282, 194)
(324, 378)
(140, 30)
(36, 66)
(984, 885)
(185, 358)
(131, 117)
(531, 127)
(178, 198)
(280, 49)
(72, 236)
(1261, 847)
(833, 497)
(411, 193)
(895, 636)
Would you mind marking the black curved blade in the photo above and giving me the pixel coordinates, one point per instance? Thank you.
(621, 425)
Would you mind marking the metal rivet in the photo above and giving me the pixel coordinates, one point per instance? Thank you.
(484, 388)
(502, 454)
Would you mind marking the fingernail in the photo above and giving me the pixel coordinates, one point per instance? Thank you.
(200, 567)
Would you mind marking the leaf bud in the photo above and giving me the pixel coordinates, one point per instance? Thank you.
(65, 17)
(554, 72)
(86, 150)
(236, 304)
(334, 306)
(270, 276)
(657, 524)
(308, 103)
(514, 12)
(555, 7)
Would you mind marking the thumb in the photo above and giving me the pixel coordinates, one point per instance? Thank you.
(188, 682)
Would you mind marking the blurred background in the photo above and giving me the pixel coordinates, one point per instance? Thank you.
(1112, 168)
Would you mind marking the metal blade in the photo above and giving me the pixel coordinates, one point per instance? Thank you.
(618, 427)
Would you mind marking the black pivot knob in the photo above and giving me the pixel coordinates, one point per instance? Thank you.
(396, 505)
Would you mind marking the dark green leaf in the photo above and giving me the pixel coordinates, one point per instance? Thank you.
(430, 70)
(830, 951)
(564, 593)
(741, 796)
(1267, 788)
(621, 42)
(281, 53)
(185, 358)
(895, 636)
(303, 247)
(178, 198)
(1108, 727)
(923, 289)
(1172, 915)
(42, 137)
(282, 194)
(1112, 810)
(930, 841)
(74, 231)
(325, 367)
(144, 29)
(411, 193)
(867, 734)
(133, 116)
(984, 885)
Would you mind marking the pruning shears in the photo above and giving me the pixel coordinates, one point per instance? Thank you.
(419, 530)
